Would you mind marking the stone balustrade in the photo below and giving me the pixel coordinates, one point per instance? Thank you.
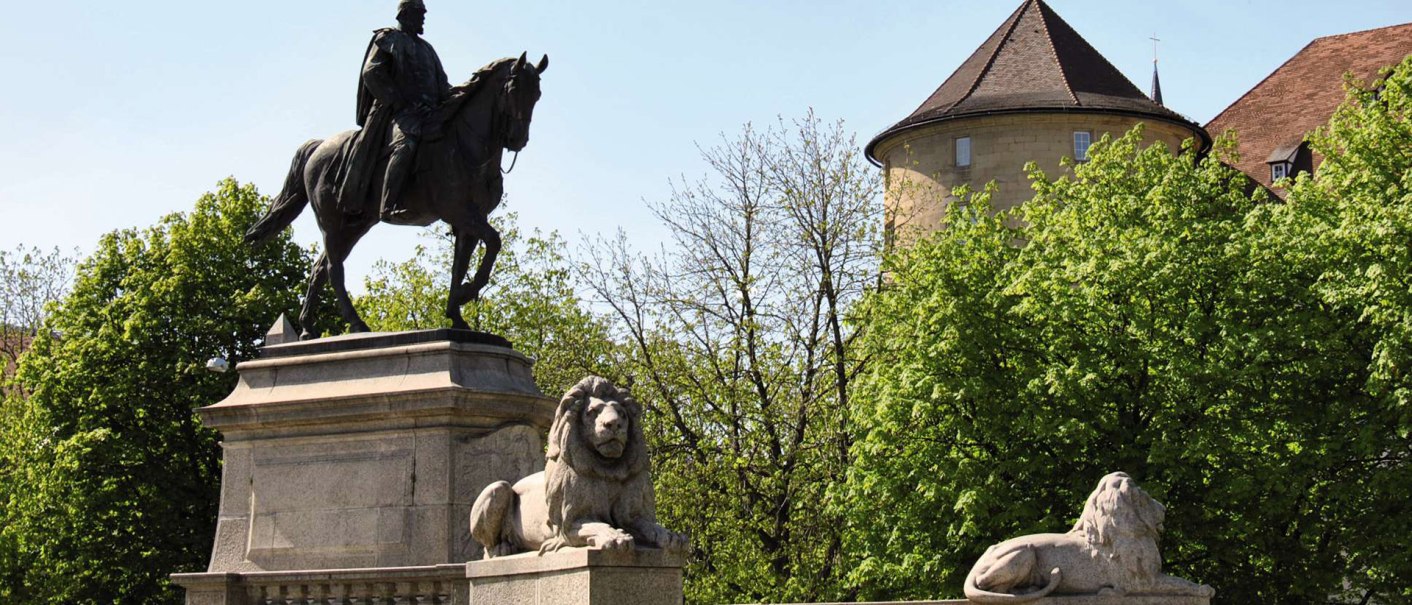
(429, 585)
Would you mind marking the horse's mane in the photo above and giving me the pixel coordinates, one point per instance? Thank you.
(460, 94)
(481, 75)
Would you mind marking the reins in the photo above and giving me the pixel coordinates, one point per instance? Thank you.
(504, 117)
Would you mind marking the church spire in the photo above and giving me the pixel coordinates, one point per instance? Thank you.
(1156, 86)
(1156, 82)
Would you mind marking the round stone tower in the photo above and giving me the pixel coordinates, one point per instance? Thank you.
(1034, 91)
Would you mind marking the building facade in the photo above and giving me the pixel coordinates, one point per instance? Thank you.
(1034, 91)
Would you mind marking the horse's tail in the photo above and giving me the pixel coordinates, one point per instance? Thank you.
(291, 200)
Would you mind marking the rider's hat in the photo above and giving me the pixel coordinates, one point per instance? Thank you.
(403, 5)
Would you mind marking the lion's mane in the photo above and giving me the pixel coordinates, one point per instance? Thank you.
(580, 483)
(1121, 523)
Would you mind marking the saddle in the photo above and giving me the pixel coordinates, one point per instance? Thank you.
(360, 167)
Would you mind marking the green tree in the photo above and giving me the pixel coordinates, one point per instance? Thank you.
(1353, 225)
(1149, 316)
(533, 300)
(109, 482)
(739, 349)
(30, 279)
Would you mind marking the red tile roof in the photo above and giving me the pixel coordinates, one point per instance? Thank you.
(1303, 93)
(1034, 62)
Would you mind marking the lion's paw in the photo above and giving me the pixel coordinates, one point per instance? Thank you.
(671, 541)
(615, 540)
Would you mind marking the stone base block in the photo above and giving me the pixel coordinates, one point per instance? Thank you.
(368, 450)
(1120, 600)
(578, 577)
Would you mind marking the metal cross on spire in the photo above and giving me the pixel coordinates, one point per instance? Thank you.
(1154, 40)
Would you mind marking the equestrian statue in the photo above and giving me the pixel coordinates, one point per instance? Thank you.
(425, 151)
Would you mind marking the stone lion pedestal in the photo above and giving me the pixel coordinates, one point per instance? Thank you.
(578, 576)
(1118, 600)
(351, 464)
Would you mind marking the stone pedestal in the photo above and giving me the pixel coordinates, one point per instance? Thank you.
(365, 452)
(578, 577)
(1123, 600)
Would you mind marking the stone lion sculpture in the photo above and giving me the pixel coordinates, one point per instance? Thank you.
(1112, 550)
(595, 490)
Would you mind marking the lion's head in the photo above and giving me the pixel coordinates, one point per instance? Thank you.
(1121, 520)
(597, 431)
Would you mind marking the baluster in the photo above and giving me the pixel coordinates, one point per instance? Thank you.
(438, 589)
(339, 595)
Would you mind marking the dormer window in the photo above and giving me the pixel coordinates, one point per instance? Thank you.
(1282, 161)
(1280, 170)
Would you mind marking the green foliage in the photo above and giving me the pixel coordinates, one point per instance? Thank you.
(30, 280)
(738, 349)
(1149, 316)
(1353, 226)
(108, 480)
(533, 301)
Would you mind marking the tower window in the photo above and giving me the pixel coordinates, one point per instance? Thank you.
(963, 152)
(1082, 141)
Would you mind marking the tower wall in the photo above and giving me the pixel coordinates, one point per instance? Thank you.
(920, 163)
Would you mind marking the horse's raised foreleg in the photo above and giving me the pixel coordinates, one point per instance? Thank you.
(491, 238)
(317, 276)
(336, 255)
(460, 264)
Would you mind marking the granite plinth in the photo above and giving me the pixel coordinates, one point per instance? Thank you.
(1136, 599)
(380, 340)
(1064, 600)
(578, 576)
(367, 451)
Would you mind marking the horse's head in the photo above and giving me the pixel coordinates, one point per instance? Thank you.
(520, 93)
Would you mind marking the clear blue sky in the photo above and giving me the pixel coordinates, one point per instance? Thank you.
(116, 113)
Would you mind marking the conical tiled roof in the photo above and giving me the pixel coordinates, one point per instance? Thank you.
(1034, 62)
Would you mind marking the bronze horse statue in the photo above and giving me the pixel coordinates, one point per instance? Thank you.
(457, 180)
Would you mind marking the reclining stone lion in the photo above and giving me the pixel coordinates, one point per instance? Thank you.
(1112, 550)
(595, 490)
